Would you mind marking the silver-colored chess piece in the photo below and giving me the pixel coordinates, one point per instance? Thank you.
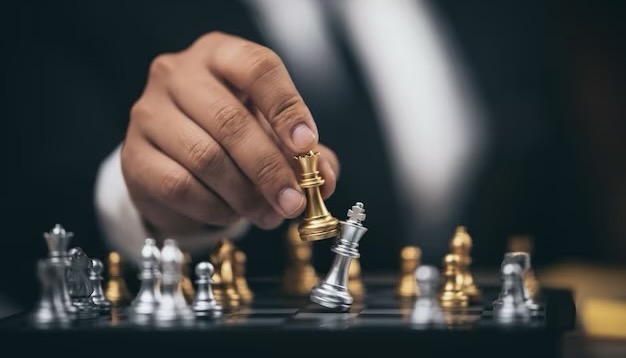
(149, 295)
(522, 259)
(79, 284)
(50, 308)
(332, 292)
(58, 241)
(512, 305)
(204, 304)
(97, 296)
(427, 309)
(172, 305)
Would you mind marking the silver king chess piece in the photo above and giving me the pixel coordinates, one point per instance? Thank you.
(79, 284)
(149, 294)
(512, 306)
(332, 292)
(172, 305)
(204, 303)
(427, 309)
(97, 296)
(58, 241)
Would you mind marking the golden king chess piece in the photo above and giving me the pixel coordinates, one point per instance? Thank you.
(239, 271)
(461, 245)
(300, 276)
(185, 282)
(224, 277)
(355, 284)
(318, 223)
(116, 290)
(523, 243)
(452, 294)
(410, 257)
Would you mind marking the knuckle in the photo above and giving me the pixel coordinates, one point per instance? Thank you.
(268, 170)
(163, 65)
(140, 110)
(175, 185)
(231, 123)
(205, 155)
(287, 110)
(262, 62)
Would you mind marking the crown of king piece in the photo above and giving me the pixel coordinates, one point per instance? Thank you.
(58, 240)
(357, 213)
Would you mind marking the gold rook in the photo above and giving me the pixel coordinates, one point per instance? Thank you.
(317, 224)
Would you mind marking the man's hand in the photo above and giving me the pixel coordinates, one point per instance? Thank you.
(213, 135)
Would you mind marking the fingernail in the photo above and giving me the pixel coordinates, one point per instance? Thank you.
(290, 201)
(303, 137)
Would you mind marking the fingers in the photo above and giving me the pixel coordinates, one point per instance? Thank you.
(328, 166)
(261, 74)
(155, 177)
(218, 112)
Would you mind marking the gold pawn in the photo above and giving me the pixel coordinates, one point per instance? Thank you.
(452, 294)
(224, 280)
(300, 276)
(355, 285)
(239, 271)
(116, 290)
(409, 261)
(185, 283)
(461, 245)
(318, 223)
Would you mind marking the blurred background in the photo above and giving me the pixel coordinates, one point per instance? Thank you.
(541, 151)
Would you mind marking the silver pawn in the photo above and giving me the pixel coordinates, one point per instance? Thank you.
(332, 292)
(204, 304)
(523, 260)
(512, 306)
(50, 308)
(427, 309)
(172, 305)
(149, 294)
(95, 276)
(80, 287)
(58, 241)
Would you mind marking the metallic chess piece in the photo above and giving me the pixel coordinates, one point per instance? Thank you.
(172, 305)
(452, 294)
(407, 286)
(300, 276)
(224, 277)
(95, 276)
(461, 245)
(79, 284)
(523, 260)
(524, 243)
(332, 292)
(318, 223)
(58, 241)
(116, 290)
(50, 308)
(149, 294)
(512, 305)
(239, 271)
(204, 304)
(427, 309)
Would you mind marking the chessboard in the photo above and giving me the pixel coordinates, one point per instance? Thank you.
(274, 324)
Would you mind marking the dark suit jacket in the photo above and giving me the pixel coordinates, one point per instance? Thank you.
(76, 67)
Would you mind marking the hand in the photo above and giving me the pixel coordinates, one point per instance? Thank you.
(212, 139)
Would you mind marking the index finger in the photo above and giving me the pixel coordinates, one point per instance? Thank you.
(260, 73)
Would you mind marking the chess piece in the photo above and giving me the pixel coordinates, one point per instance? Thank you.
(355, 284)
(147, 300)
(300, 275)
(239, 273)
(318, 223)
(522, 259)
(116, 290)
(523, 243)
(79, 284)
(185, 283)
(58, 241)
(224, 284)
(333, 292)
(95, 276)
(461, 245)
(204, 304)
(50, 307)
(427, 309)
(452, 294)
(512, 304)
(407, 286)
(172, 305)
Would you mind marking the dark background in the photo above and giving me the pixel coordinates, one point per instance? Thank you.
(552, 75)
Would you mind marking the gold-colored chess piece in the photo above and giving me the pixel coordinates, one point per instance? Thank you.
(239, 270)
(523, 243)
(300, 276)
(452, 294)
(185, 283)
(461, 245)
(318, 223)
(116, 290)
(224, 278)
(410, 257)
(355, 284)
